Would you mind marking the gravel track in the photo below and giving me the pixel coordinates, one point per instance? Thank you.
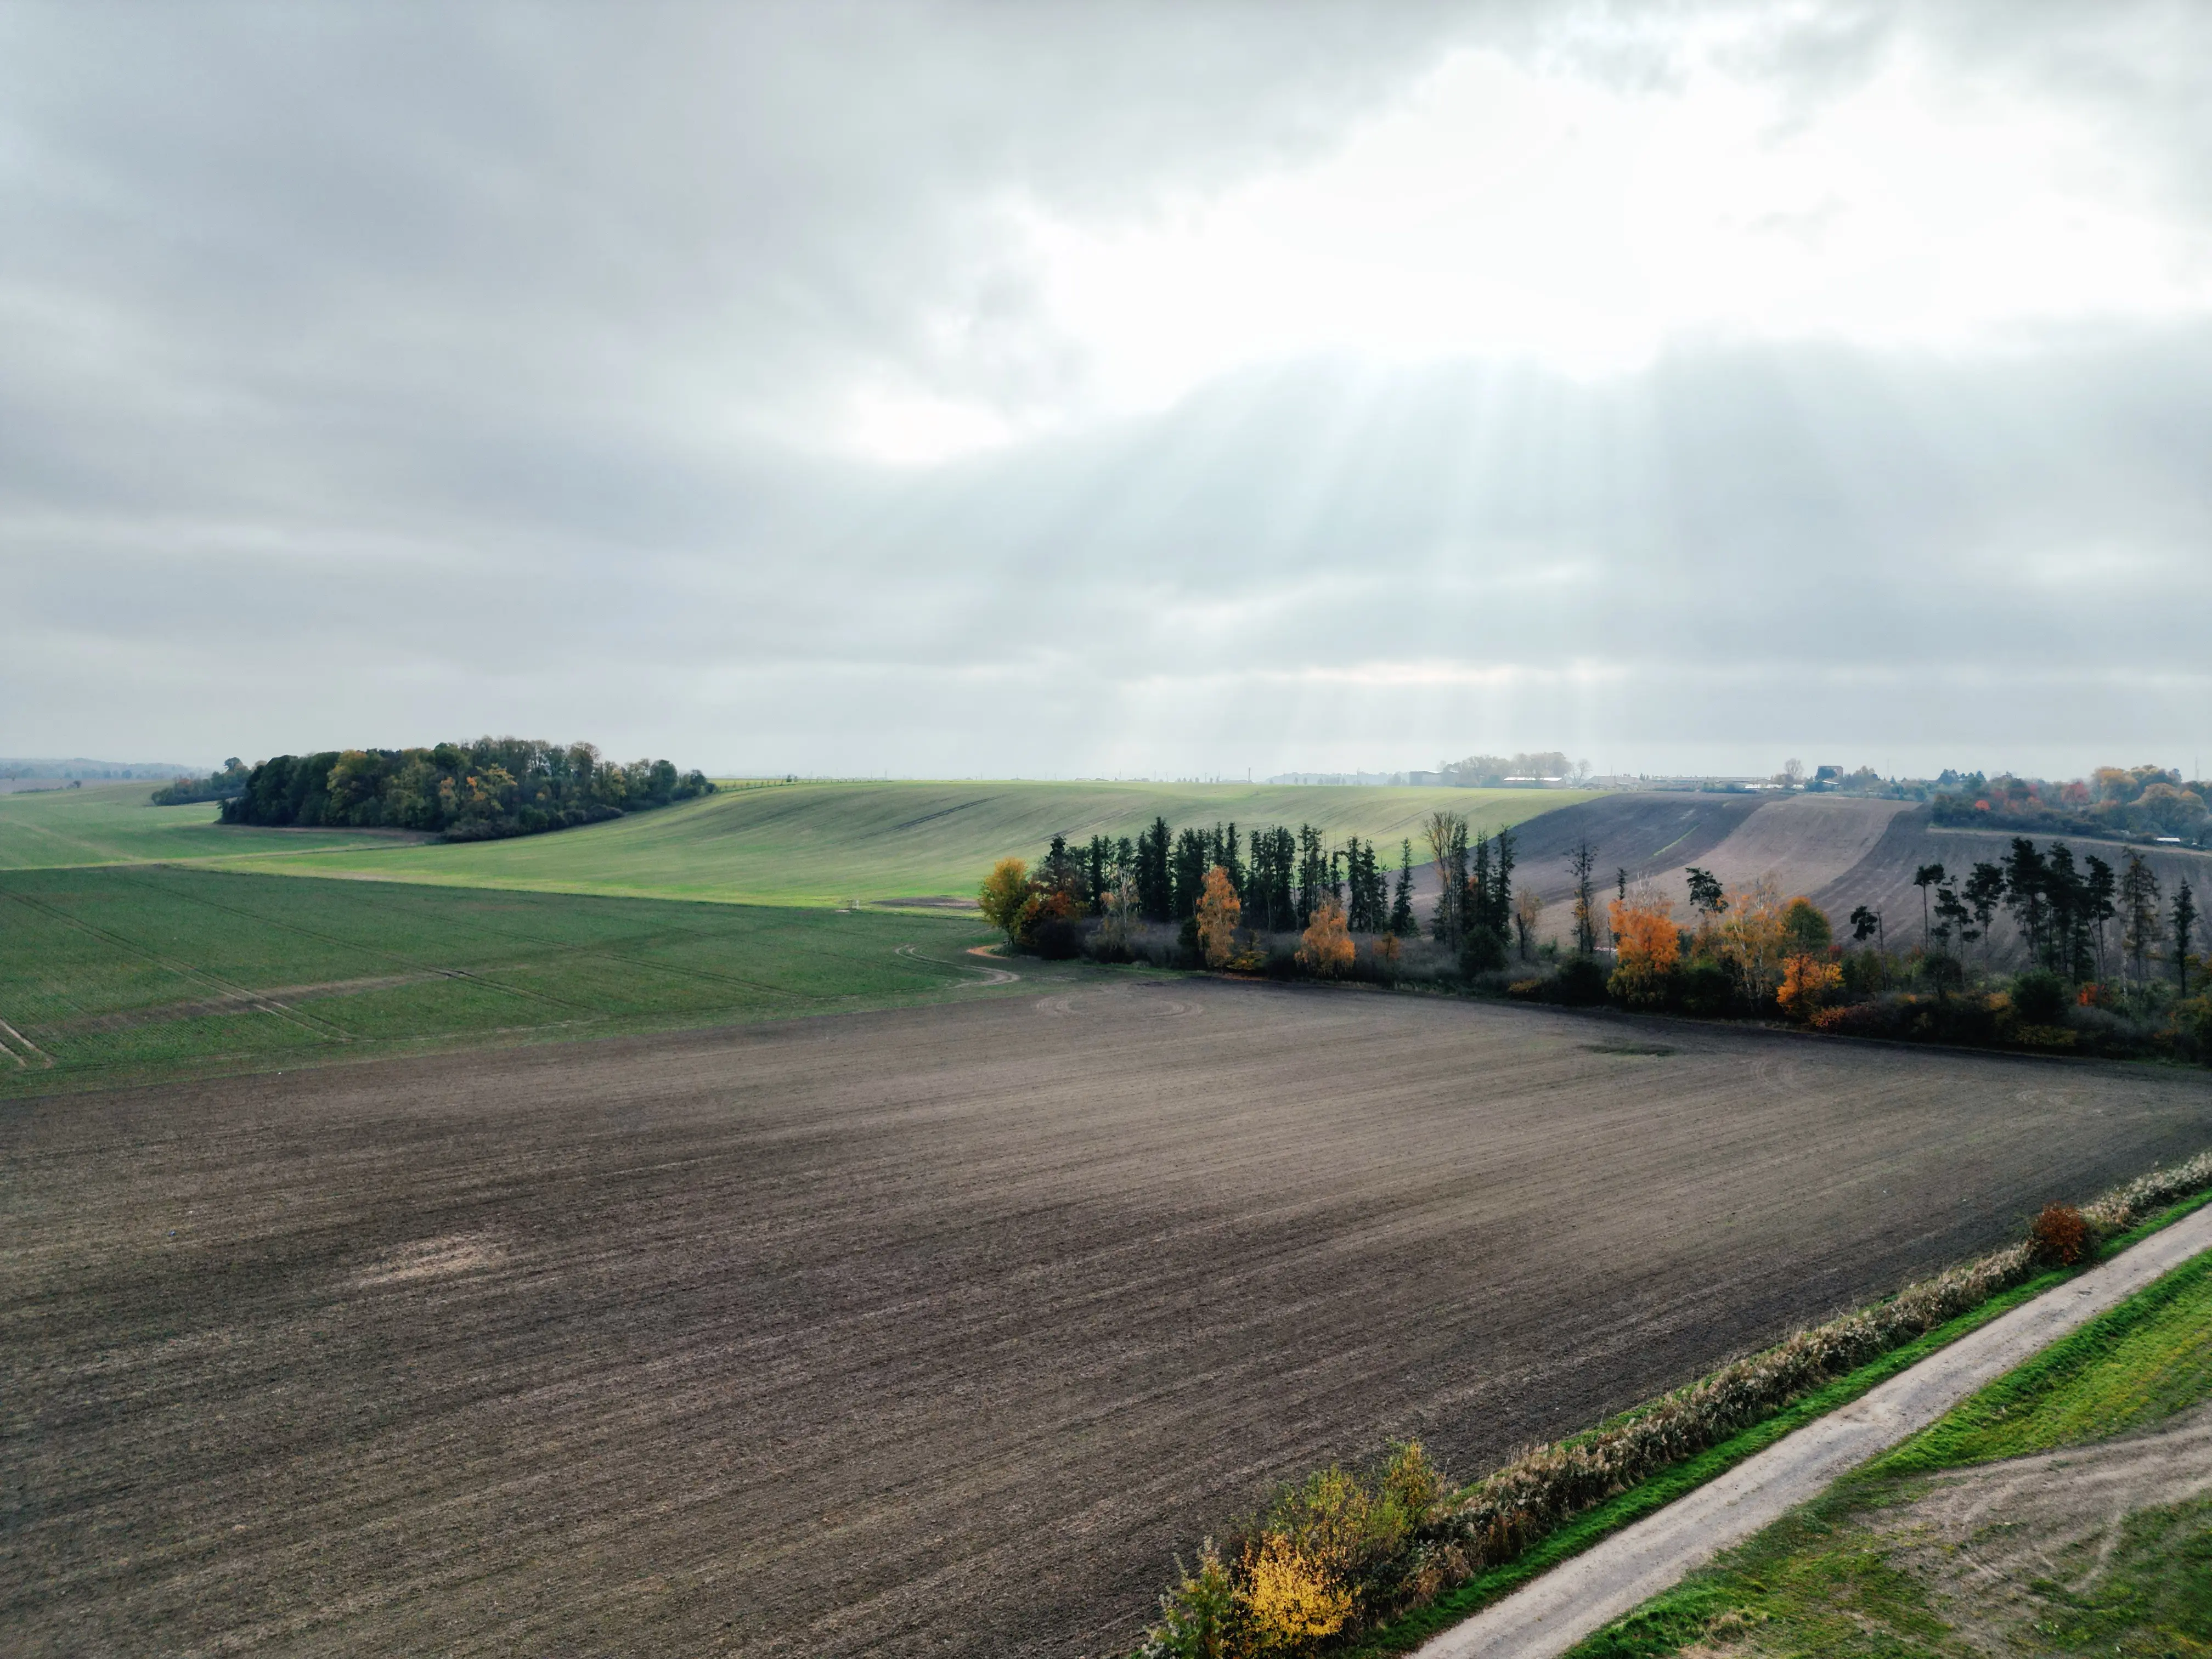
(935, 1331)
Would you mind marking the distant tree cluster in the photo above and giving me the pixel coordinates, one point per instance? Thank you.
(1229, 888)
(2113, 964)
(217, 785)
(1490, 771)
(481, 791)
(2141, 802)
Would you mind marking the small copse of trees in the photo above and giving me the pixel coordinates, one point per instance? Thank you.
(481, 791)
(1231, 898)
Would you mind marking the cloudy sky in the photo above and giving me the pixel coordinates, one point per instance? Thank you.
(1051, 390)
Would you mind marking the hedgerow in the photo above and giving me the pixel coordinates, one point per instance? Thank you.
(1340, 1553)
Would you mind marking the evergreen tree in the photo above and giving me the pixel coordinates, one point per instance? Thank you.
(2027, 877)
(1401, 906)
(1155, 888)
(2139, 919)
(1193, 857)
(2185, 928)
(2097, 889)
(1581, 863)
(1313, 873)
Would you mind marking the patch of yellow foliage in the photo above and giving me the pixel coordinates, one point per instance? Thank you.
(1291, 1598)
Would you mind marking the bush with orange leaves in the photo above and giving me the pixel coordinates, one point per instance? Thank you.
(1219, 911)
(1807, 983)
(2059, 1236)
(1326, 949)
(1648, 948)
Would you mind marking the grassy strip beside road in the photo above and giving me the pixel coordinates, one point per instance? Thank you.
(1836, 1577)
(122, 974)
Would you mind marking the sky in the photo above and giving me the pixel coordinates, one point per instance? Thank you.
(1176, 390)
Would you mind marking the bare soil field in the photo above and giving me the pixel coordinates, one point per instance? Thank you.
(1839, 850)
(1883, 878)
(929, 1332)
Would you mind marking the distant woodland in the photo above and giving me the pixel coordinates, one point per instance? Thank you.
(482, 791)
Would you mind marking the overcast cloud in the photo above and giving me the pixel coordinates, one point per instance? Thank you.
(946, 390)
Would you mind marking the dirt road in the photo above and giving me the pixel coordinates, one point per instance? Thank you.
(922, 1332)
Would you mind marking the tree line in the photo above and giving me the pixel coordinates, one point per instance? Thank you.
(2062, 910)
(487, 790)
(1276, 878)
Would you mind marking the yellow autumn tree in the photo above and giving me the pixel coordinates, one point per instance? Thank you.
(1219, 911)
(1005, 891)
(1290, 1598)
(1326, 947)
(1648, 947)
(1755, 939)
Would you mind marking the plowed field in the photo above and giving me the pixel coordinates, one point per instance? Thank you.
(927, 1332)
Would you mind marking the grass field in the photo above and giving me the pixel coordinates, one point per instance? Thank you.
(805, 844)
(115, 823)
(112, 973)
(2063, 1508)
(923, 1331)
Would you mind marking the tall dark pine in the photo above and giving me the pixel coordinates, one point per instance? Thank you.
(2185, 927)
(1580, 864)
(1155, 891)
(2026, 879)
(1401, 905)
(1193, 857)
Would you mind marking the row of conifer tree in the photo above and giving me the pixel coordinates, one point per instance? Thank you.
(1283, 877)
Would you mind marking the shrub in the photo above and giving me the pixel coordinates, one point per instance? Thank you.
(1292, 1599)
(2040, 998)
(2059, 1236)
(1580, 982)
(1704, 987)
(1807, 984)
(1202, 1616)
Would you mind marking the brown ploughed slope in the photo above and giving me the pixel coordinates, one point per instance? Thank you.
(934, 1332)
(1883, 878)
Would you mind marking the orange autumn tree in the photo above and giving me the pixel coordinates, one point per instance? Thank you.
(1648, 947)
(1219, 911)
(1808, 977)
(1326, 948)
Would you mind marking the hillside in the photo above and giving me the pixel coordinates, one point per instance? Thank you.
(877, 843)
(1839, 851)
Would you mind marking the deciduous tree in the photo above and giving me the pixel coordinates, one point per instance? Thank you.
(1003, 894)
(1326, 948)
(1648, 947)
(1219, 911)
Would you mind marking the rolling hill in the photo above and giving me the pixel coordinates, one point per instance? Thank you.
(889, 844)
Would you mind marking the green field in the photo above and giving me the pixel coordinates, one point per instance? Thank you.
(1872, 1568)
(117, 974)
(138, 941)
(804, 844)
(115, 823)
